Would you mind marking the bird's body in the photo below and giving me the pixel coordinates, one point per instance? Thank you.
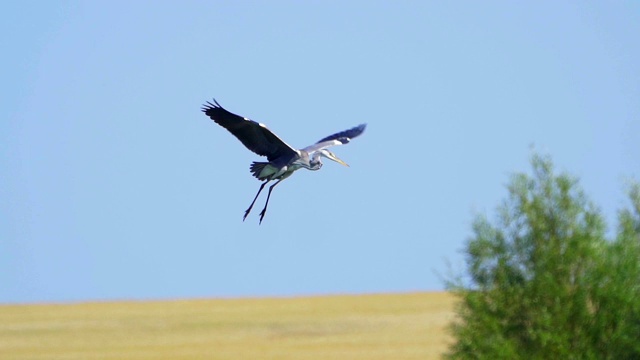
(282, 168)
(283, 160)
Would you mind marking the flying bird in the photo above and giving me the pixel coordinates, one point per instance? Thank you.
(283, 159)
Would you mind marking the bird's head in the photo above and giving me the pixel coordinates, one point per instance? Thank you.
(331, 156)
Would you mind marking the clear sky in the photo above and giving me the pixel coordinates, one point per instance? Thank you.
(114, 185)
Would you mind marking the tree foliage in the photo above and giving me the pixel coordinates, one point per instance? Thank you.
(543, 282)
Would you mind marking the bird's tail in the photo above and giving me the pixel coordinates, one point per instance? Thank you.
(258, 170)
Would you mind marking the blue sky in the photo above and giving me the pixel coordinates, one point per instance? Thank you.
(115, 186)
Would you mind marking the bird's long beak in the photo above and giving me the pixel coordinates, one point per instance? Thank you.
(335, 158)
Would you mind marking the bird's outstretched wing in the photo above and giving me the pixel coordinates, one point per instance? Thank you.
(340, 138)
(255, 136)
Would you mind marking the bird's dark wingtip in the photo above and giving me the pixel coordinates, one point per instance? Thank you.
(356, 131)
(209, 106)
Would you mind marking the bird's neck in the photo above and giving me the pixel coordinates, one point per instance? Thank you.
(315, 165)
(316, 162)
(310, 164)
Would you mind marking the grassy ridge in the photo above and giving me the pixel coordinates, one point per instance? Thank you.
(390, 326)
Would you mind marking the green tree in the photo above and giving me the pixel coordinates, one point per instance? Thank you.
(615, 293)
(543, 282)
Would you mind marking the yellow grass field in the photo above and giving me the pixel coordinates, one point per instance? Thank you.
(388, 326)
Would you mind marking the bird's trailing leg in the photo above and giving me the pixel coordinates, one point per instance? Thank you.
(254, 200)
(268, 196)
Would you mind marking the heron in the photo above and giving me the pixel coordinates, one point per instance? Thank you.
(283, 159)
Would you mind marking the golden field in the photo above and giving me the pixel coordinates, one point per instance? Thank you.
(387, 326)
